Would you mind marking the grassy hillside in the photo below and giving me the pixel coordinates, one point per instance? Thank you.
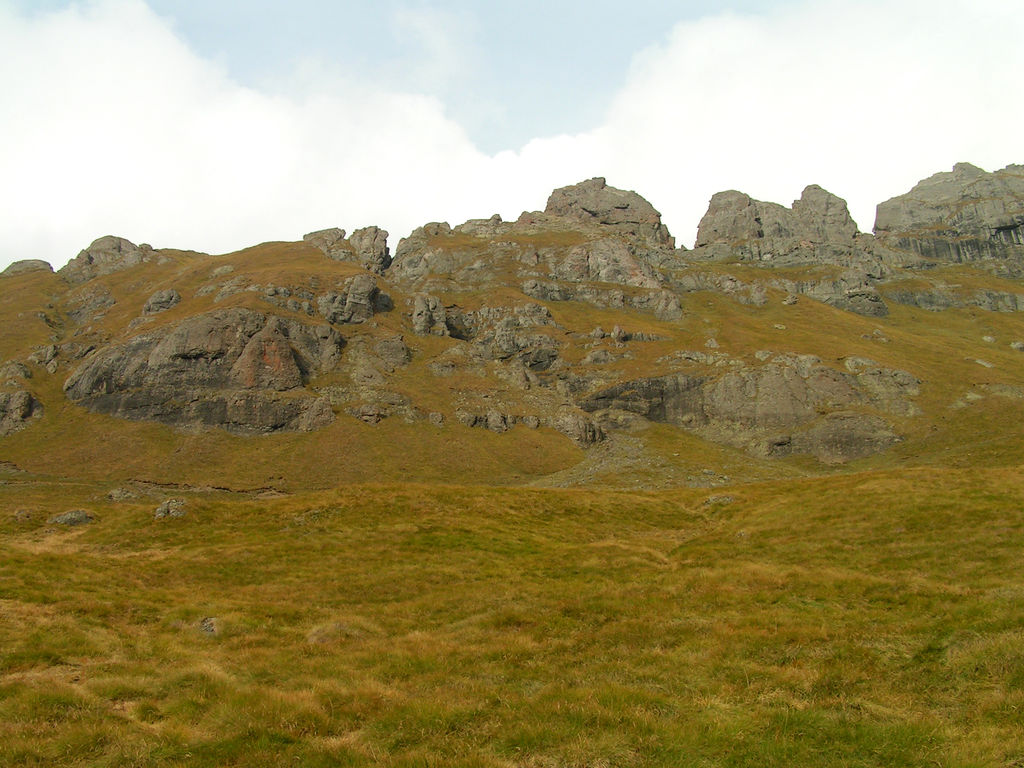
(970, 403)
(417, 592)
(869, 619)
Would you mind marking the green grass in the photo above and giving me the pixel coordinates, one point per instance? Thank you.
(871, 619)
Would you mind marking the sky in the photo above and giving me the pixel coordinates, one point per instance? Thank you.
(213, 125)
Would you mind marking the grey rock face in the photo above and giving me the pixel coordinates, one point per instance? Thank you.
(371, 247)
(429, 316)
(823, 217)
(17, 409)
(26, 265)
(234, 368)
(417, 255)
(89, 303)
(367, 246)
(488, 227)
(788, 406)
(332, 242)
(161, 301)
(355, 305)
(840, 437)
(578, 427)
(594, 202)
(607, 260)
(962, 215)
(104, 256)
(817, 228)
(393, 352)
(12, 371)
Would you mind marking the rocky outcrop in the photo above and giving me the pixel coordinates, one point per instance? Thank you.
(501, 333)
(13, 372)
(104, 256)
(608, 260)
(170, 508)
(469, 347)
(89, 303)
(332, 242)
(25, 266)
(429, 316)
(816, 229)
(662, 302)
(237, 369)
(72, 517)
(940, 297)
(427, 250)
(371, 248)
(161, 301)
(355, 304)
(17, 409)
(367, 246)
(593, 202)
(578, 427)
(790, 405)
(959, 216)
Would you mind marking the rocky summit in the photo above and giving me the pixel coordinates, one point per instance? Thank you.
(574, 345)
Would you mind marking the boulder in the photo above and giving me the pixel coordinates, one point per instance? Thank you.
(578, 427)
(12, 371)
(104, 256)
(17, 409)
(496, 421)
(236, 369)
(593, 202)
(161, 301)
(962, 215)
(170, 508)
(122, 493)
(72, 517)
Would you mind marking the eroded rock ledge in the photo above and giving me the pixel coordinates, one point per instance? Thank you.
(236, 369)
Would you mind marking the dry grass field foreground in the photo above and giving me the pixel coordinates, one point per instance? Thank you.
(868, 619)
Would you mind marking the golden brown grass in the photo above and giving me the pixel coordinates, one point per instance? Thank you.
(866, 620)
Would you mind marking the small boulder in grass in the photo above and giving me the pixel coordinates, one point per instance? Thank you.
(72, 517)
(170, 508)
(209, 625)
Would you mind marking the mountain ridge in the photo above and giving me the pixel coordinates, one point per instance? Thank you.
(785, 334)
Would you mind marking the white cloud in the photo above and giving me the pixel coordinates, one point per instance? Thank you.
(112, 124)
(436, 46)
(863, 98)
